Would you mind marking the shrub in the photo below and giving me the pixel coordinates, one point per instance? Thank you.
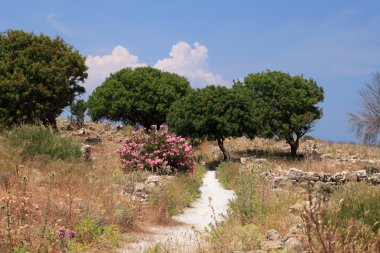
(78, 110)
(34, 140)
(156, 151)
(89, 232)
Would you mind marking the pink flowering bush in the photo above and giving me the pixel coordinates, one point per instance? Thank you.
(158, 152)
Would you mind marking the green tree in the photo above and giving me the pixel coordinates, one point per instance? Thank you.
(285, 106)
(142, 95)
(213, 113)
(39, 77)
(78, 110)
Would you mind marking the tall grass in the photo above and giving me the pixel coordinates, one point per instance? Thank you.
(228, 174)
(255, 209)
(359, 202)
(34, 140)
(179, 193)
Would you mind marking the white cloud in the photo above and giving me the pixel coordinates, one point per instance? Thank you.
(191, 63)
(100, 67)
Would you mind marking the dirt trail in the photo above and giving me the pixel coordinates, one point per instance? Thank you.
(183, 238)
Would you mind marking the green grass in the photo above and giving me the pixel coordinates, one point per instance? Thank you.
(359, 202)
(228, 175)
(34, 140)
(180, 192)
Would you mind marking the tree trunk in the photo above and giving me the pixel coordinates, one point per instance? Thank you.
(53, 122)
(294, 147)
(226, 155)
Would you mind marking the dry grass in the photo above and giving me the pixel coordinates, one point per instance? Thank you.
(40, 195)
(259, 208)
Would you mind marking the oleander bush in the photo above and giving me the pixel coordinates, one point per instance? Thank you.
(156, 151)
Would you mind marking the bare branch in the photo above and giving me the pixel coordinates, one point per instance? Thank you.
(366, 123)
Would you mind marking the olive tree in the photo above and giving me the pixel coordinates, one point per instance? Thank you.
(213, 113)
(138, 96)
(366, 123)
(284, 106)
(39, 77)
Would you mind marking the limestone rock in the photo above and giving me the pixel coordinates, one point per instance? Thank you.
(86, 152)
(272, 235)
(296, 174)
(375, 178)
(293, 244)
(361, 175)
(271, 245)
(93, 140)
(279, 182)
(311, 176)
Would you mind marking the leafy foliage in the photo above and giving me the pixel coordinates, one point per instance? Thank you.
(214, 113)
(142, 95)
(286, 106)
(39, 77)
(157, 152)
(78, 110)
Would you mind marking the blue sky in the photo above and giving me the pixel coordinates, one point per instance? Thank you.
(337, 43)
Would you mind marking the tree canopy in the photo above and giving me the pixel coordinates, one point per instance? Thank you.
(142, 95)
(213, 113)
(366, 123)
(284, 106)
(39, 77)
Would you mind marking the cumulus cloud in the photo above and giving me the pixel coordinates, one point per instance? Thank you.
(190, 62)
(100, 67)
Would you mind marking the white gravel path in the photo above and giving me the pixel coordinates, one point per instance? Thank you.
(183, 238)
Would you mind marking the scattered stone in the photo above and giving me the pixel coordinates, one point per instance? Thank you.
(324, 177)
(375, 178)
(153, 179)
(86, 152)
(296, 174)
(279, 182)
(272, 235)
(361, 175)
(139, 187)
(271, 245)
(266, 175)
(93, 140)
(312, 151)
(293, 244)
(340, 177)
(311, 176)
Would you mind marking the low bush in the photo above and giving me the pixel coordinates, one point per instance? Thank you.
(179, 192)
(157, 152)
(88, 232)
(35, 140)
